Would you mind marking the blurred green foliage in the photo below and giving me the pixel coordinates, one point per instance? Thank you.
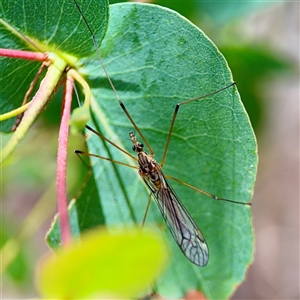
(19, 269)
(252, 66)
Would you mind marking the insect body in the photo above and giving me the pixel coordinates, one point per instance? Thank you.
(183, 228)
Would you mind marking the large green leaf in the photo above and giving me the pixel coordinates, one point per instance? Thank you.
(53, 26)
(156, 58)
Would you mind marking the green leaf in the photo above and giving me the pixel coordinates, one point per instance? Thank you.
(79, 118)
(53, 26)
(102, 264)
(156, 58)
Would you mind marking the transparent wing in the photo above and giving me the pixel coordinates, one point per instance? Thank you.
(180, 223)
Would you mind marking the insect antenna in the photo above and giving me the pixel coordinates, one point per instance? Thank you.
(110, 81)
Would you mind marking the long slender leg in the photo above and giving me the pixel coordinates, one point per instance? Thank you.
(79, 152)
(109, 141)
(206, 193)
(146, 211)
(112, 85)
(175, 115)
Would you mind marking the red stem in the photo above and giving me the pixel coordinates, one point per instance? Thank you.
(61, 181)
(38, 56)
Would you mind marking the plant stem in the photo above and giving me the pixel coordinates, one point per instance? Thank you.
(61, 182)
(28, 55)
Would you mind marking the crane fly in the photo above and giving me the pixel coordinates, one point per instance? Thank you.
(184, 230)
(181, 225)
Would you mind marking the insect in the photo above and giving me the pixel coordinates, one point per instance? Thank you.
(181, 225)
(183, 228)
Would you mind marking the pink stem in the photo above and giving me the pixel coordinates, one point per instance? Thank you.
(61, 181)
(38, 56)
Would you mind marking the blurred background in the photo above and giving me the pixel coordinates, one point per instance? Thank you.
(260, 41)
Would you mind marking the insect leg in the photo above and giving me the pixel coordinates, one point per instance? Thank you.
(175, 115)
(146, 211)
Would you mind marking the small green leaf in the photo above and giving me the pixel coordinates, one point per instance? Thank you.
(102, 264)
(79, 118)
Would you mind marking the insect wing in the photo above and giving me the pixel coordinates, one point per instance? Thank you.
(180, 223)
